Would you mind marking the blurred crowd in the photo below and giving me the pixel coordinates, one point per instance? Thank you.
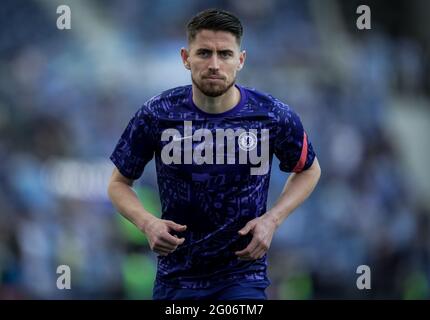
(67, 95)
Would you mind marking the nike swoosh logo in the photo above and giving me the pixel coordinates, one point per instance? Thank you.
(175, 138)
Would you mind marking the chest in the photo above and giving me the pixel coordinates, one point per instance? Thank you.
(227, 144)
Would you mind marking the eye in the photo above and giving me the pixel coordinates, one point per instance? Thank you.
(203, 53)
(226, 54)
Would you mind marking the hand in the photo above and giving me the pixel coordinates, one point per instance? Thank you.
(160, 240)
(262, 230)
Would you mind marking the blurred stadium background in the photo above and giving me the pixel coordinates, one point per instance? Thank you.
(66, 96)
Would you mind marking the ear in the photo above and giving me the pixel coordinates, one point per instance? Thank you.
(185, 56)
(242, 58)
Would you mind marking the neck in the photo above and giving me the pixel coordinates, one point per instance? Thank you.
(219, 104)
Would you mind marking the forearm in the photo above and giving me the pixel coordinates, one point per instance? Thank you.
(127, 203)
(298, 187)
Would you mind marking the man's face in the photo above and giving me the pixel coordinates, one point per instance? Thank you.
(214, 57)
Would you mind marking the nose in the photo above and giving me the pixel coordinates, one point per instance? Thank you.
(214, 63)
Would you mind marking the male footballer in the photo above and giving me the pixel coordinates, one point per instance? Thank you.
(213, 143)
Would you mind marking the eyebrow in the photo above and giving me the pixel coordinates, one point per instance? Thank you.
(219, 51)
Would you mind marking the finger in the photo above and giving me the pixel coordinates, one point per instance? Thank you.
(164, 246)
(168, 238)
(252, 246)
(261, 250)
(260, 254)
(175, 226)
(246, 229)
(162, 252)
(169, 243)
(257, 254)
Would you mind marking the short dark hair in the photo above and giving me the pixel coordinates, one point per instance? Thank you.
(215, 20)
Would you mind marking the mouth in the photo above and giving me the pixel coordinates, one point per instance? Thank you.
(213, 78)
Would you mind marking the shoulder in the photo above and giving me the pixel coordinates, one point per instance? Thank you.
(165, 101)
(269, 103)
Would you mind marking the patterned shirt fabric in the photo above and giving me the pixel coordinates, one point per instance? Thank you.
(215, 200)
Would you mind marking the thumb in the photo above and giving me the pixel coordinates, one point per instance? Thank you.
(175, 226)
(248, 227)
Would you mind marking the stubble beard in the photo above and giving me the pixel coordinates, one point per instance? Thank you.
(211, 89)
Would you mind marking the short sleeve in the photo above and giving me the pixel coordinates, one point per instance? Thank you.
(135, 148)
(292, 145)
